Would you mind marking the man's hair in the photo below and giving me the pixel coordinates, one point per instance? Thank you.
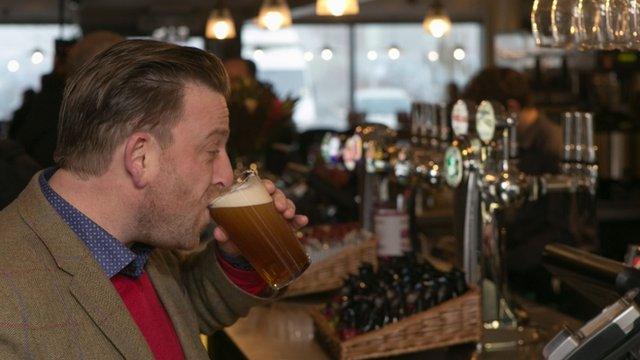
(136, 85)
(499, 84)
(89, 46)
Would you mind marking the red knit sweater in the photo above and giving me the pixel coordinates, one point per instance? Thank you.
(152, 319)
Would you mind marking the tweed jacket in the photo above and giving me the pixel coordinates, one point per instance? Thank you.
(57, 303)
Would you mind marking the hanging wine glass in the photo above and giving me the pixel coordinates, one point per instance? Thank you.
(564, 23)
(618, 24)
(590, 24)
(634, 24)
(541, 23)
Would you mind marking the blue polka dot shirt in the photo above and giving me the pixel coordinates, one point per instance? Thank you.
(113, 256)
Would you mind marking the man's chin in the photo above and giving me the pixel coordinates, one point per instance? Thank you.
(190, 245)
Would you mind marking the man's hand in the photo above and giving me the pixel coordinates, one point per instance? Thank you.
(285, 206)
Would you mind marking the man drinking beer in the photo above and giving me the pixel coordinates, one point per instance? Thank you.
(88, 260)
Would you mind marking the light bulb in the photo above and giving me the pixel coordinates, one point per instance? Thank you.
(459, 54)
(274, 15)
(221, 29)
(220, 25)
(372, 55)
(326, 54)
(336, 7)
(13, 66)
(273, 20)
(439, 26)
(436, 22)
(433, 56)
(394, 53)
(37, 57)
(307, 56)
(258, 53)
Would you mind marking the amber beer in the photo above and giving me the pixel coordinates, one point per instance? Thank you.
(249, 217)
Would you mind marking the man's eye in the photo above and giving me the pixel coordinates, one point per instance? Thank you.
(213, 152)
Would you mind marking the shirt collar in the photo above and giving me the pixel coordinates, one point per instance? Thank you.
(113, 256)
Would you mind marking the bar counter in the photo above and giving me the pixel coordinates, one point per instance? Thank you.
(284, 331)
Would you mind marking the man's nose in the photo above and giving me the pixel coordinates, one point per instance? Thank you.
(223, 173)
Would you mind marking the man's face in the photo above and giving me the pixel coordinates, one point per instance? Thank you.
(192, 169)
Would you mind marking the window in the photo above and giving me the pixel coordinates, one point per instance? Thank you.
(306, 61)
(397, 64)
(394, 65)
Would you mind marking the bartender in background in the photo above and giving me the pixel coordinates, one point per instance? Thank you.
(538, 223)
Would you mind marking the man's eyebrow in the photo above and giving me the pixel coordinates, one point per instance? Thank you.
(220, 132)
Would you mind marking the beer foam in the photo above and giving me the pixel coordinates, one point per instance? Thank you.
(242, 196)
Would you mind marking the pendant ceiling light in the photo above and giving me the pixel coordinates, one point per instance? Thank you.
(274, 15)
(337, 7)
(220, 25)
(436, 22)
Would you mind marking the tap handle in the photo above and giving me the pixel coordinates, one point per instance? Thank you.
(443, 124)
(578, 136)
(415, 120)
(512, 123)
(568, 137)
(590, 149)
(506, 148)
(424, 123)
(431, 121)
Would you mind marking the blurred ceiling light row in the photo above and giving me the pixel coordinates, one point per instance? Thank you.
(393, 52)
(37, 57)
(275, 15)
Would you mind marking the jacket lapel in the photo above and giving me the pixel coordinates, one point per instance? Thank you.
(89, 285)
(174, 301)
(95, 293)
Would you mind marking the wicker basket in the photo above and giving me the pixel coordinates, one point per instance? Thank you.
(456, 321)
(329, 274)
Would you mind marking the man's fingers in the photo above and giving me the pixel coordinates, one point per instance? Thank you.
(300, 221)
(219, 234)
(280, 201)
(285, 206)
(270, 186)
(290, 212)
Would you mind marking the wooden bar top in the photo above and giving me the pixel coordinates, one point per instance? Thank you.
(284, 331)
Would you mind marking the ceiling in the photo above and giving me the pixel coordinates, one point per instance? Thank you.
(141, 17)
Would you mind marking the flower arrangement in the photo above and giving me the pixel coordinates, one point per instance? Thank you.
(258, 119)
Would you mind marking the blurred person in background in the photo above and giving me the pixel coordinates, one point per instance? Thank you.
(20, 115)
(16, 169)
(38, 133)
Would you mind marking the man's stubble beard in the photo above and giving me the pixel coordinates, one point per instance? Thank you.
(163, 219)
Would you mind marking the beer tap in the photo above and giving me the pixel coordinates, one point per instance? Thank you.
(487, 160)
(392, 170)
(427, 155)
(502, 187)
(505, 185)
(579, 170)
(461, 169)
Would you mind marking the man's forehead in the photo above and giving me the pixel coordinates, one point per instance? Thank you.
(206, 111)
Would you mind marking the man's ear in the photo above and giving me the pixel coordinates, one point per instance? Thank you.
(513, 106)
(142, 158)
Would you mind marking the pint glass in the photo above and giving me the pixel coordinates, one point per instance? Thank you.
(248, 215)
